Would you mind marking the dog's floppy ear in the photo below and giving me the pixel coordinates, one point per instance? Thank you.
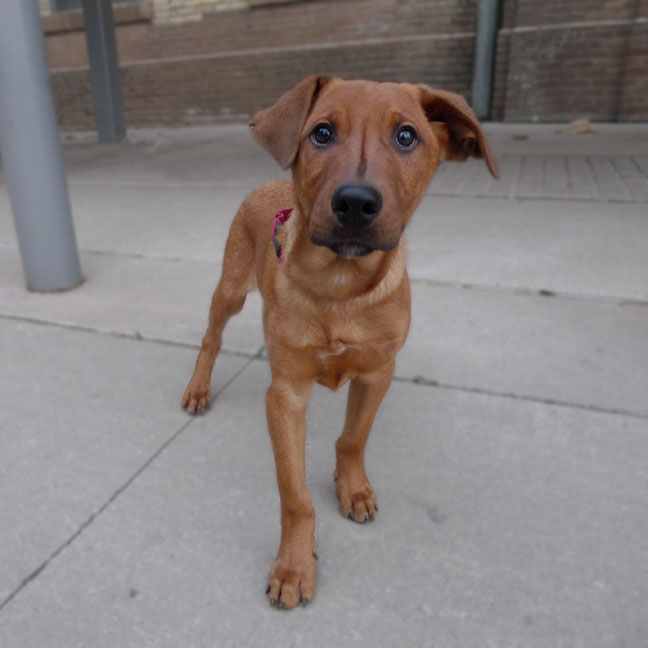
(465, 136)
(278, 128)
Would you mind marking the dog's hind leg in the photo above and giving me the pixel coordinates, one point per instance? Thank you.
(237, 279)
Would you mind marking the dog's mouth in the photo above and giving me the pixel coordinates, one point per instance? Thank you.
(347, 247)
(351, 249)
(351, 245)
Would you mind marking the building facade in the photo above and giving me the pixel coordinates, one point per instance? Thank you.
(201, 61)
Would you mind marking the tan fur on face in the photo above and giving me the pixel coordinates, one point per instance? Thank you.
(364, 152)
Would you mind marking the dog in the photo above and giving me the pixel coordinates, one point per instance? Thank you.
(327, 252)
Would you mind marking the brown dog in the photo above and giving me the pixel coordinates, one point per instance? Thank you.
(336, 295)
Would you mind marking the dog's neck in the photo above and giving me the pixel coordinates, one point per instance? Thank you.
(319, 272)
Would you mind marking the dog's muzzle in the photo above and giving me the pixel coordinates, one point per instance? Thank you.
(355, 207)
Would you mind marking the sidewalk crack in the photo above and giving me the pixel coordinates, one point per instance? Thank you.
(128, 335)
(553, 402)
(36, 572)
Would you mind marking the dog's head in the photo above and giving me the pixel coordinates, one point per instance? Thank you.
(362, 154)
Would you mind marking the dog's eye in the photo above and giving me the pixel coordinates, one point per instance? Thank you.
(322, 135)
(406, 137)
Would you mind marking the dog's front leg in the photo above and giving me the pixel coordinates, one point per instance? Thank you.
(293, 575)
(237, 279)
(356, 496)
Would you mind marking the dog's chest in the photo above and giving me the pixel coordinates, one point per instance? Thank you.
(331, 344)
(337, 348)
(336, 363)
(341, 361)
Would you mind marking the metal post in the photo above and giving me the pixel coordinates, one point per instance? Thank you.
(484, 61)
(31, 153)
(104, 72)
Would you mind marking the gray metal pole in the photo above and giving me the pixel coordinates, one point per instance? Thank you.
(31, 153)
(484, 61)
(104, 72)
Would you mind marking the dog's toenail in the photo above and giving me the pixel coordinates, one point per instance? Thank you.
(366, 517)
(350, 516)
(372, 516)
(272, 601)
(268, 589)
(305, 602)
(315, 556)
(282, 605)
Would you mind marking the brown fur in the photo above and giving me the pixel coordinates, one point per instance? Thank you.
(328, 318)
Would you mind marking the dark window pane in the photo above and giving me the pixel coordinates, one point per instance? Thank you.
(56, 6)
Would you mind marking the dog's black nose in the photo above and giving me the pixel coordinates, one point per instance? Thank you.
(356, 205)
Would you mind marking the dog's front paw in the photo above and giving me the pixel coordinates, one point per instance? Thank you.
(357, 498)
(292, 581)
(196, 397)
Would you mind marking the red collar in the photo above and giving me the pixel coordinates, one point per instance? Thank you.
(282, 216)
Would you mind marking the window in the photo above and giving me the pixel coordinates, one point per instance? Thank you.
(64, 5)
(57, 6)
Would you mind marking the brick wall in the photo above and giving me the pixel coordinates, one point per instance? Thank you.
(230, 64)
(555, 60)
(633, 102)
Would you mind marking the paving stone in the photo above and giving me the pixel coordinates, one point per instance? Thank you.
(549, 176)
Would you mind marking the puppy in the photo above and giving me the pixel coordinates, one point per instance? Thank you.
(326, 250)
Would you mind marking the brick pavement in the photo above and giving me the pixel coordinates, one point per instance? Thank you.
(572, 177)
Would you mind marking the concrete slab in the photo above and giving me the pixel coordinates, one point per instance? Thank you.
(189, 222)
(226, 156)
(502, 523)
(138, 297)
(582, 248)
(564, 246)
(81, 413)
(583, 352)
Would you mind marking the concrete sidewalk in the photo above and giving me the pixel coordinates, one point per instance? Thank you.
(510, 456)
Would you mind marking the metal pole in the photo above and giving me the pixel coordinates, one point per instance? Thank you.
(484, 61)
(104, 72)
(31, 153)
